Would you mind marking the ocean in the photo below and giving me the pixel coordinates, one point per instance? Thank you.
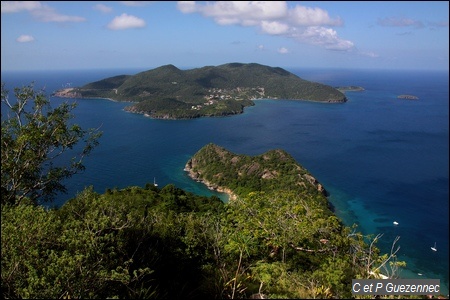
(382, 159)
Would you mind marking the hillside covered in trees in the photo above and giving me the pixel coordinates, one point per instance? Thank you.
(170, 93)
(272, 171)
(277, 238)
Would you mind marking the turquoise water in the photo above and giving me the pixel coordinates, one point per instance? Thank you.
(382, 159)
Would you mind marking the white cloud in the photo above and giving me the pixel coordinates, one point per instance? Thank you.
(274, 28)
(41, 12)
(24, 38)
(18, 6)
(103, 8)
(323, 36)
(187, 7)
(125, 21)
(283, 50)
(49, 14)
(306, 24)
(260, 47)
(307, 16)
(246, 13)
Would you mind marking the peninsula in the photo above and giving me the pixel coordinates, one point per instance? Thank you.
(351, 88)
(275, 170)
(167, 92)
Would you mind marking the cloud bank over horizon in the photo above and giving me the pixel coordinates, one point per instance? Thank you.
(304, 24)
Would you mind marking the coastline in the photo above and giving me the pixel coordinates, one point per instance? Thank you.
(305, 100)
(196, 176)
(67, 94)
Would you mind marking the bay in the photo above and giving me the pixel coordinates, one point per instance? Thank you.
(381, 158)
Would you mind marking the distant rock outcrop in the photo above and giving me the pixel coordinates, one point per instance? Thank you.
(408, 97)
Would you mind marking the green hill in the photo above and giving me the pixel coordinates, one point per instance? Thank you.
(277, 239)
(171, 93)
(238, 174)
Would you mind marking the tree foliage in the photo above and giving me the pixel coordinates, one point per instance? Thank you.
(34, 137)
(167, 243)
(277, 239)
(131, 243)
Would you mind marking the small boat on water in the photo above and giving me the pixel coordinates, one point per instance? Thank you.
(154, 182)
(395, 223)
(434, 248)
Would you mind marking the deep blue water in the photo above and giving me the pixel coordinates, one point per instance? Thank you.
(381, 158)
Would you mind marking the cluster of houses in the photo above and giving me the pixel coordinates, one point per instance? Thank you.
(223, 94)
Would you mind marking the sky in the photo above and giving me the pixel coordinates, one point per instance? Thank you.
(73, 35)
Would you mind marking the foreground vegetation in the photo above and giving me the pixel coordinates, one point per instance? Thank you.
(167, 243)
(277, 239)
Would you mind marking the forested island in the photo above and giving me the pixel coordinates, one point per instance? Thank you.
(167, 92)
(234, 174)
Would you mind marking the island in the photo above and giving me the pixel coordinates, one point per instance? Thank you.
(238, 175)
(167, 92)
(408, 97)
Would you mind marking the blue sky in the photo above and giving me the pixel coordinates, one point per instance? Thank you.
(58, 35)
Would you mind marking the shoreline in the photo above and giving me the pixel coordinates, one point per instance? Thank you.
(92, 98)
(196, 176)
(71, 93)
(302, 100)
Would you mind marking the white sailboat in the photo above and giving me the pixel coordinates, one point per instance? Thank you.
(434, 248)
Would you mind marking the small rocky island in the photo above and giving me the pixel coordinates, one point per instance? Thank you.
(167, 92)
(235, 174)
(408, 97)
